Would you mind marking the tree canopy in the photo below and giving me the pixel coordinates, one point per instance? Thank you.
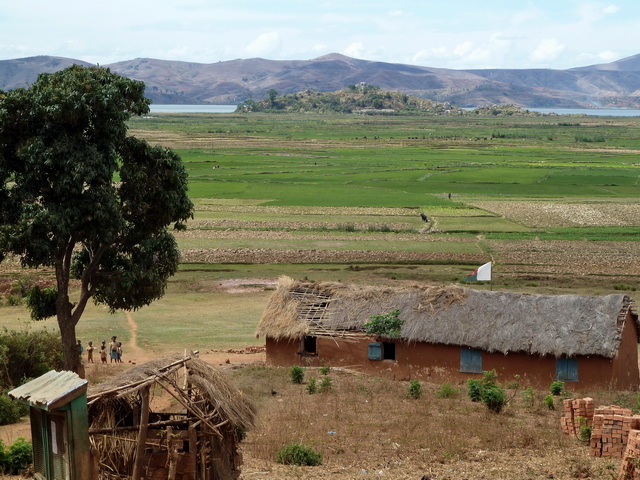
(80, 196)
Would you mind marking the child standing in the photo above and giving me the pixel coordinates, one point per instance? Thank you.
(90, 353)
(113, 350)
(103, 352)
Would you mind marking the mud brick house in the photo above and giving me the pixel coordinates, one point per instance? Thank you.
(452, 334)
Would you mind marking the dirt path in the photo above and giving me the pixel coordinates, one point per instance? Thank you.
(132, 345)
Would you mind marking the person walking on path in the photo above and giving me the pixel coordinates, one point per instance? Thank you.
(113, 350)
(103, 351)
(90, 353)
(119, 352)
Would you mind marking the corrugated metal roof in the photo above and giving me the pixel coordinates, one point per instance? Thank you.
(49, 389)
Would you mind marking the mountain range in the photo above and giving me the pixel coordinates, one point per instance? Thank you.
(615, 84)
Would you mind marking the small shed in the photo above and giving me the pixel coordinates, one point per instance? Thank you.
(452, 333)
(58, 412)
(195, 438)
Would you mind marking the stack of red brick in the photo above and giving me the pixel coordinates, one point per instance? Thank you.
(575, 414)
(630, 469)
(610, 425)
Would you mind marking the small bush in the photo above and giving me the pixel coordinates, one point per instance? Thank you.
(474, 389)
(529, 397)
(447, 391)
(311, 386)
(550, 402)
(415, 389)
(17, 458)
(624, 286)
(388, 325)
(585, 433)
(296, 374)
(297, 454)
(493, 397)
(325, 385)
(324, 370)
(556, 387)
(10, 411)
(13, 299)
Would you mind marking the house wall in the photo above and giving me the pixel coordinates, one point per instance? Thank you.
(441, 363)
(625, 373)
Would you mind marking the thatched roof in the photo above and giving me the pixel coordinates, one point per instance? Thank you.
(558, 325)
(212, 386)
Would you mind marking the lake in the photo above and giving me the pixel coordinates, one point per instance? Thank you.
(604, 112)
(193, 108)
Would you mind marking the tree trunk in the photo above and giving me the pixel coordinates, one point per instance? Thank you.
(69, 343)
(64, 310)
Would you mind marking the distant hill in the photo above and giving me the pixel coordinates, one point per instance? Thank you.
(23, 71)
(615, 84)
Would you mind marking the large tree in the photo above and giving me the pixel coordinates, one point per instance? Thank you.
(80, 196)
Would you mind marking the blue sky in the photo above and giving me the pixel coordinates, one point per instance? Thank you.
(453, 34)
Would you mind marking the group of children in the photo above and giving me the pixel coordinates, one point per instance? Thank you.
(113, 351)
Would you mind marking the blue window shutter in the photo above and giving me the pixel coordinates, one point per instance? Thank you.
(470, 360)
(567, 369)
(375, 351)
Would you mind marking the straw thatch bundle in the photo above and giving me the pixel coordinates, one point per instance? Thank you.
(486, 320)
(209, 382)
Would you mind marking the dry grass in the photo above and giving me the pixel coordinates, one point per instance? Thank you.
(547, 214)
(368, 424)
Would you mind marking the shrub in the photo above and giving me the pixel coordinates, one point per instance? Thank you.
(297, 374)
(13, 299)
(324, 370)
(19, 456)
(446, 391)
(28, 354)
(325, 385)
(388, 325)
(311, 386)
(528, 396)
(415, 389)
(584, 433)
(550, 402)
(556, 387)
(488, 391)
(493, 397)
(297, 454)
(474, 389)
(10, 411)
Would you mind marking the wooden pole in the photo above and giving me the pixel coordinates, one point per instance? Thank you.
(173, 455)
(142, 436)
(193, 453)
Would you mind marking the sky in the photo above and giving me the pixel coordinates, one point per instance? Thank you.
(454, 34)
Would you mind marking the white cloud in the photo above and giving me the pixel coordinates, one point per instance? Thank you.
(354, 50)
(547, 50)
(592, 12)
(463, 49)
(264, 44)
(608, 56)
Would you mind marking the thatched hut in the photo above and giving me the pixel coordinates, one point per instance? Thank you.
(195, 437)
(453, 333)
